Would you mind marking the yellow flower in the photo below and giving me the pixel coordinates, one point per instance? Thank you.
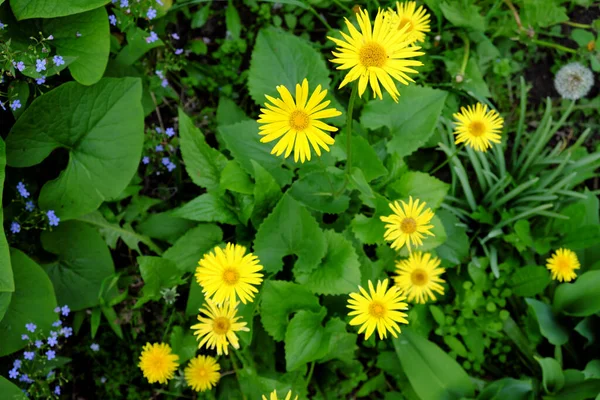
(297, 122)
(563, 264)
(218, 328)
(202, 373)
(158, 363)
(379, 309)
(417, 20)
(477, 127)
(228, 274)
(407, 224)
(273, 396)
(376, 54)
(419, 276)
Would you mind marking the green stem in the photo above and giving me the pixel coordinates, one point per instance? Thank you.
(577, 25)
(343, 6)
(237, 372)
(448, 159)
(321, 18)
(349, 128)
(168, 325)
(554, 46)
(310, 373)
(465, 59)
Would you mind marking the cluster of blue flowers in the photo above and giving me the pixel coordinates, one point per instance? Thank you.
(23, 193)
(159, 148)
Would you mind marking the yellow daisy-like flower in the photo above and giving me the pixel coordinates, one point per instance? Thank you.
(417, 20)
(229, 274)
(379, 309)
(376, 54)
(419, 276)
(296, 122)
(478, 127)
(218, 328)
(407, 224)
(563, 264)
(158, 363)
(202, 373)
(273, 396)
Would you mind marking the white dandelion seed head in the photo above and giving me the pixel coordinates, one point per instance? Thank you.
(573, 81)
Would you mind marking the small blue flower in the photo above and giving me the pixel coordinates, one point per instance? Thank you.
(15, 227)
(13, 373)
(166, 161)
(113, 20)
(40, 65)
(146, 160)
(170, 132)
(51, 354)
(20, 66)
(175, 36)
(171, 166)
(159, 147)
(160, 74)
(39, 343)
(22, 190)
(152, 38)
(15, 105)
(50, 374)
(151, 14)
(30, 327)
(24, 337)
(66, 331)
(95, 346)
(103, 379)
(164, 83)
(17, 363)
(29, 206)
(28, 355)
(57, 390)
(58, 60)
(52, 341)
(56, 324)
(40, 80)
(57, 309)
(178, 51)
(50, 37)
(53, 334)
(65, 310)
(124, 3)
(158, 130)
(160, 2)
(25, 378)
(2, 25)
(53, 220)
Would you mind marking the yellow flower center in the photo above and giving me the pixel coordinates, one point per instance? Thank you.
(372, 55)
(403, 23)
(376, 309)
(157, 362)
(477, 128)
(408, 225)
(201, 372)
(564, 265)
(419, 277)
(221, 325)
(231, 276)
(299, 120)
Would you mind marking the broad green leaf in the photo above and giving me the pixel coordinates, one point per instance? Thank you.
(305, 339)
(164, 226)
(104, 142)
(24, 9)
(419, 185)
(83, 263)
(342, 344)
(10, 391)
(456, 345)
(463, 14)
(267, 193)
(111, 317)
(229, 113)
(530, 280)
(587, 328)
(411, 121)
(184, 344)
(338, 272)
(507, 388)
(195, 299)
(189, 249)
(316, 190)
(232, 21)
(158, 273)
(581, 298)
(289, 230)
(364, 156)
(208, 207)
(549, 325)
(7, 284)
(455, 249)
(281, 58)
(254, 385)
(32, 301)
(553, 378)
(202, 163)
(279, 300)
(376, 383)
(584, 237)
(243, 141)
(86, 37)
(370, 230)
(432, 373)
(114, 232)
(543, 13)
(579, 391)
(234, 178)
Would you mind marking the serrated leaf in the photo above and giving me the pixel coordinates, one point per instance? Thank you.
(316, 190)
(235, 179)
(419, 185)
(364, 156)
(279, 300)
(267, 193)
(463, 14)
(411, 121)
(208, 207)
(305, 339)
(189, 249)
(229, 113)
(543, 13)
(530, 280)
(342, 344)
(157, 273)
(370, 230)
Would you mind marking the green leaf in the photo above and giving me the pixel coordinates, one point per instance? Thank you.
(507, 388)
(530, 280)
(137, 45)
(83, 263)
(243, 141)
(581, 298)
(463, 14)
(543, 13)
(370, 230)
(342, 344)
(108, 113)
(164, 226)
(195, 299)
(281, 58)
(456, 247)
(290, 229)
(183, 344)
(234, 178)
(305, 339)
(338, 272)
(200, 17)
(232, 21)
(279, 300)
(432, 373)
(267, 193)
(456, 345)
(10, 391)
(190, 248)
(112, 319)
(411, 121)
(549, 325)
(85, 36)
(420, 185)
(579, 391)
(208, 207)
(229, 113)
(473, 78)
(158, 273)
(316, 189)
(552, 375)
(32, 301)
(587, 328)
(582, 37)
(202, 163)
(584, 237)
(24, 9)
(7, 284)
(19, 90)
(364, 156)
